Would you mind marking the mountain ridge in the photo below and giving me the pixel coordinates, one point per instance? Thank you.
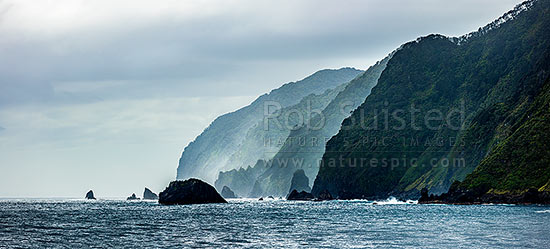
(299, 152)
(209, 151)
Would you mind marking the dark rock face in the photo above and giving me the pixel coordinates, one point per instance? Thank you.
(299, 182)
(228, 193)
(299, 196)
(191, 191)
(132, 197)
(149, 195)
(90, 195)
(325, 196)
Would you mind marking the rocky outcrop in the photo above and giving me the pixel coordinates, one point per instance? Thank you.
(228, 193)
(149, 195)
(90, 195)
(242, 180)
(299, 196)
(191, 191)
(325, 196)
(299, 182)
(132, 197)
(531, 196)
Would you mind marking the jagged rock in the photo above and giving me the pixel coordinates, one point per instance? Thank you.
(149, 195)
(261, 199)
(325, 196)
(132, 197)
(241, 181)
(299, 182)
(299, 196)
(270, 197)
(191, 191)
(90, 195)
(228, 193)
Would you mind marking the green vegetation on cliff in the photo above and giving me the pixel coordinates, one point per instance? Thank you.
(522, 160)
(444, 105)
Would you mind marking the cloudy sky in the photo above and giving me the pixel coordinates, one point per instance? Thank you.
(105, 95)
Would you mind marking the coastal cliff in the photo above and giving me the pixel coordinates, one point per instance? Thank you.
(490, 89)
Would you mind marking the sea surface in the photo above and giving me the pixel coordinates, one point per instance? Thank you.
(271, 223)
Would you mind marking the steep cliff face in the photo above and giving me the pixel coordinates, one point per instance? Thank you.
(204, 157)
(442, 106)
(265, 139)
(518, 165)
(304, 147)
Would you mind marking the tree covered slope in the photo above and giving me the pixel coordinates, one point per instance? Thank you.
(442, 107)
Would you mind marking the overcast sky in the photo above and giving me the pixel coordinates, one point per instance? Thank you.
(105, 95)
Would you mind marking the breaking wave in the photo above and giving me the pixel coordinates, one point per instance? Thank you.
(394, 201)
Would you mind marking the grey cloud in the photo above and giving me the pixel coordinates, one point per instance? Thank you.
(226, 47)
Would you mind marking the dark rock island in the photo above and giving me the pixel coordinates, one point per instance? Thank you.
(149, 195)
(90, 195)
(191, 191)
(132, 197)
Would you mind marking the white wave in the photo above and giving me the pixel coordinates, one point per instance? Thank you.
(394, 201)
(542, 211)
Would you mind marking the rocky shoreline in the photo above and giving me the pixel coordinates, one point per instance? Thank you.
(460, 197)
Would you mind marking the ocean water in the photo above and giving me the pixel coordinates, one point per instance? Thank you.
(272, 223)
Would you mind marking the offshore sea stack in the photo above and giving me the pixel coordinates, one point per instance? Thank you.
(132, 197)
(149, 195)
(191, 191)
(90, 195)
